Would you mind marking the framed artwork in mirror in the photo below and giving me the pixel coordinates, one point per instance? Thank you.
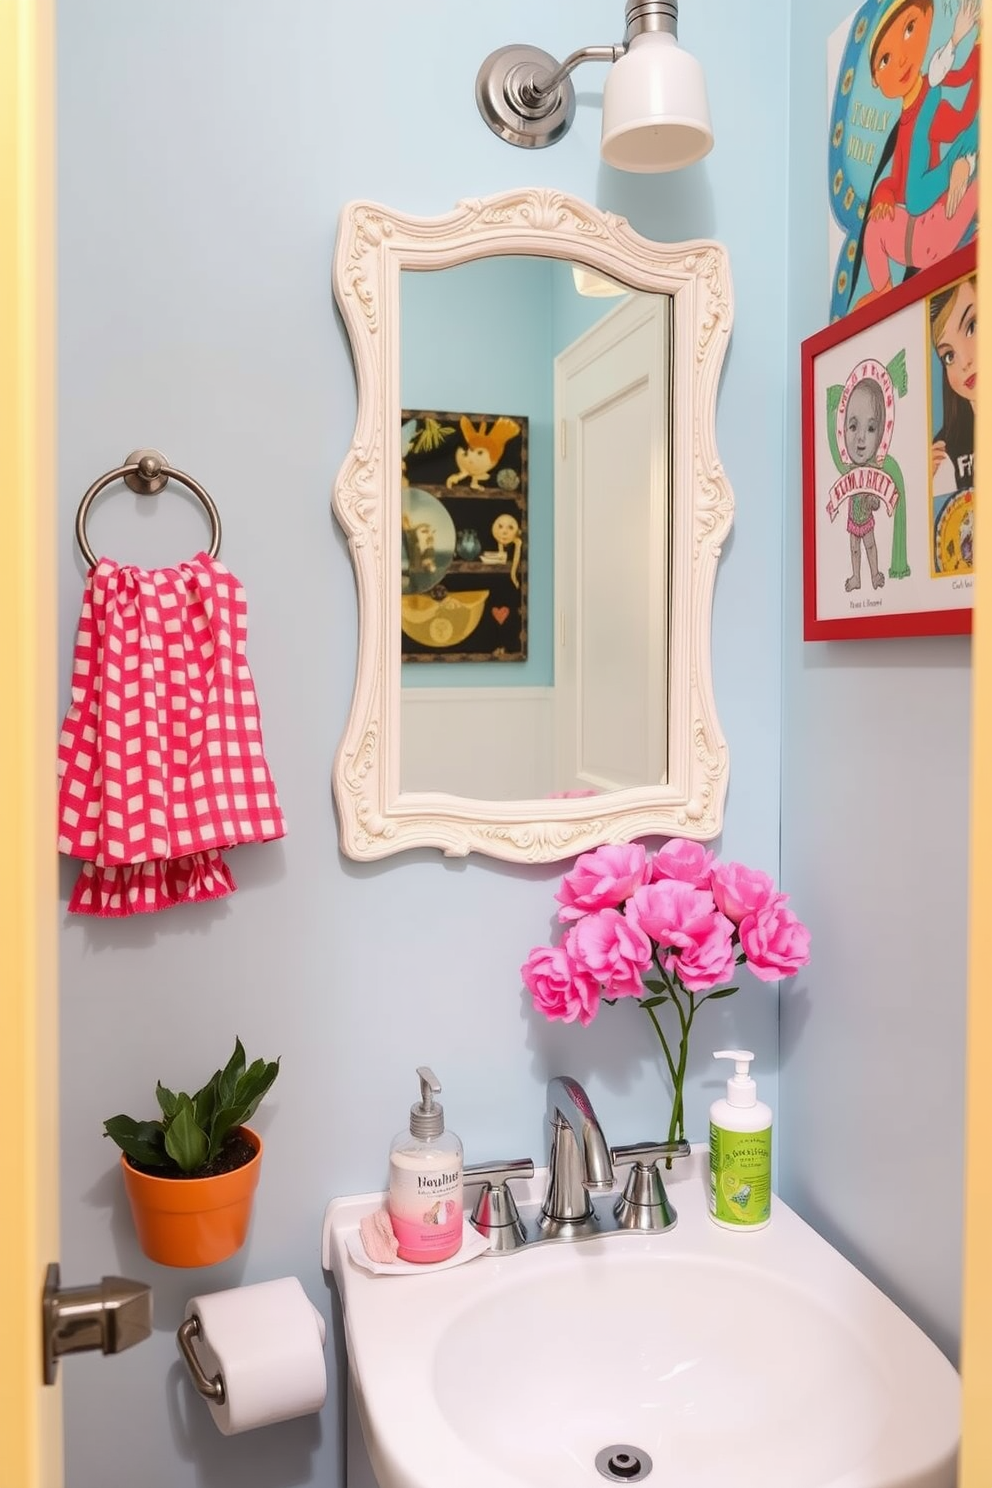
(463, 557)
(888, 461)
(606, 730)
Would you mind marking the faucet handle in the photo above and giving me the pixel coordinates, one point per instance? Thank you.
(646, 1153)
(498, 1172)
(644, 1204)
(495, 1214)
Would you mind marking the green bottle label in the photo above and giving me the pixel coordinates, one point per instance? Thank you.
(740, 1175)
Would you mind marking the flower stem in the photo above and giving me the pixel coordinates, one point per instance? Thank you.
(676, 1126)
(664, 1043)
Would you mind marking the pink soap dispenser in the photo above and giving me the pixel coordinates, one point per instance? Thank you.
(425, 1181)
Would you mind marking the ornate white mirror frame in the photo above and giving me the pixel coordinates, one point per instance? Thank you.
(374, 244)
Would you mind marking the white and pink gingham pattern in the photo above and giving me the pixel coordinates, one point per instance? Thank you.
(160, 755)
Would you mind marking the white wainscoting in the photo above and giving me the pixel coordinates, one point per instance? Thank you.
(490, 743)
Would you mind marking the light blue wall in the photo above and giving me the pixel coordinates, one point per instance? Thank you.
(205, 152)
(874, 850)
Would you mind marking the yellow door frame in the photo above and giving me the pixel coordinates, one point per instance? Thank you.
(30, 1413)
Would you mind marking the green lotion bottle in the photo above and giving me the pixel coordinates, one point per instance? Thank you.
(740, 1151)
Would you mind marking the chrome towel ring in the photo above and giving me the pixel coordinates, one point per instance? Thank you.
(145, 471)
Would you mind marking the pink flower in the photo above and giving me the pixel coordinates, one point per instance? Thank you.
(602, 879)
(688, 861)
(560, 989)
(685, 923)
(741, 891)
(612, 950)
(774, 940)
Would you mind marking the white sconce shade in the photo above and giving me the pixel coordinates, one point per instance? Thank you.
(597, 286)
(656, 114)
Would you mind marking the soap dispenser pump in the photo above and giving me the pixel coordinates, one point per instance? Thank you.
(425, 1181)
(740, 1151)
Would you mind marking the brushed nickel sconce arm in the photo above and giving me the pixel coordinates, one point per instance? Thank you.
(527, 97)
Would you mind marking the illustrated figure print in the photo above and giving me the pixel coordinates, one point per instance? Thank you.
(954, 335)
(419, 540)
(506, 531)
(463, 503)
(482, 451)
(860, 425)
(923, 200)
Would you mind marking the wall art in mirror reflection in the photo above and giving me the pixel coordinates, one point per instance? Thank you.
(463, 554)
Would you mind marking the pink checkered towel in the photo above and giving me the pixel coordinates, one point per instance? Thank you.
(160, 756)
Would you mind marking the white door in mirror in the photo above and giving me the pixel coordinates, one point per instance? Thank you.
(611, 551)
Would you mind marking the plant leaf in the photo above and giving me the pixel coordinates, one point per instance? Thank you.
(658, 988)
(249, 1091)
(653, 1002)
(255, 1082)
(205, 1103)
(185, 1143)
(142, 1140)
(226, 1080)
(723, 992)
(167, 1099)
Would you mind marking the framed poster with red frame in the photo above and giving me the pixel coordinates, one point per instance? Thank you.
(888, 421)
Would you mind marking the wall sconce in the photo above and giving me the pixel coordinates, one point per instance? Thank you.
(596, 286)
(655, 112)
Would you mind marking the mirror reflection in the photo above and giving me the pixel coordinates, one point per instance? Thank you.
(535, 480)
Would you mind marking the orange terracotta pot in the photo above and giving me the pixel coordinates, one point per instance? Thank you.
(193, 1221)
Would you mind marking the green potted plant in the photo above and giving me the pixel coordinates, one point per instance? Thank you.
(191, 1175)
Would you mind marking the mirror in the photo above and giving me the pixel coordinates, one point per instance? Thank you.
(538, 534)
(535, 510)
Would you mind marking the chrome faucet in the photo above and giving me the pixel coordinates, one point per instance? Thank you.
(579, 1162)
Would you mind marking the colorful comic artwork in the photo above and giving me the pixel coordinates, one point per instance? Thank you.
(889, 461)
(464, 539)
(953, 365)
(903, 143)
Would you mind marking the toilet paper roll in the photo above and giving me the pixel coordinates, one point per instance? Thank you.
(267, 1344)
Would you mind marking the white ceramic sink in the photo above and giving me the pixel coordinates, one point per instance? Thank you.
(759, 1360)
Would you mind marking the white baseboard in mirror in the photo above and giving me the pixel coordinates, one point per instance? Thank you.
(454, 738)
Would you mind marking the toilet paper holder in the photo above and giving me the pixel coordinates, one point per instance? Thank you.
(210, 1389)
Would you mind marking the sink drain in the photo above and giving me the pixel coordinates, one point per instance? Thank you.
(623, 1463)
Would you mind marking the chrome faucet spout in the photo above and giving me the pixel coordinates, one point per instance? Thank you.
(579, 1161)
